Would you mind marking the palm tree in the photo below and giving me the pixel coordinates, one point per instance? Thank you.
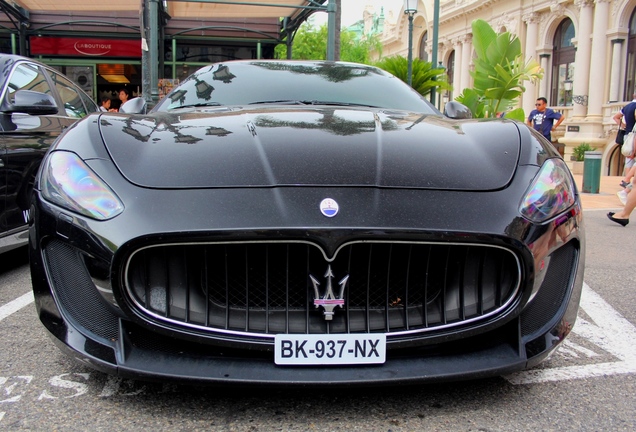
(424, 77)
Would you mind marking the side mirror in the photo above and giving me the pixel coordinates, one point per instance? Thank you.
(32, 102)
(457, 111)
(134, 106)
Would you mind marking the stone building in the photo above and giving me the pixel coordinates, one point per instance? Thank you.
(587, 49)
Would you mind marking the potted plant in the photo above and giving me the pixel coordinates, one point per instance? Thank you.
(578, 157)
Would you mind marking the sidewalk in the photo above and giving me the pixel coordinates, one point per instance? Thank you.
(606, 198)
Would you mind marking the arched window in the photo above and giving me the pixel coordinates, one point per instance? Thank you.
(631, 59)
(450, 73)
(563, 65)
(423, 53)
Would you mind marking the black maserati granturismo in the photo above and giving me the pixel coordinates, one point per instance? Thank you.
(304, 223)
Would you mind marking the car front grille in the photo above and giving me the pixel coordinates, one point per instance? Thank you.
(265, 288)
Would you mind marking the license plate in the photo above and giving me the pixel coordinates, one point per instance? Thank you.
(324, 349)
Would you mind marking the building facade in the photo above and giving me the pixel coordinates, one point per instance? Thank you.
(587, 49)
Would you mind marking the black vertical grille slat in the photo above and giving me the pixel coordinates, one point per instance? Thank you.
(426, 279)
(444, 286)
(462, 281)
(265, 287)
(368, 292)
(480, 286)
(287, 288)
(206, 288)
(310, 304)
(387, 302)
(406, 305)
(167, 285)
(498, 287)
(187, 287)
(227, 289)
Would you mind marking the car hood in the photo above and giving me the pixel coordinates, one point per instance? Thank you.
(314, 146)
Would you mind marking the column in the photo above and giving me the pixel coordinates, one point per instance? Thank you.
(467, 50)
(596, 86)
(583, 58)
(532, 32)
(615, 85)
(457, 82)
(544, 59)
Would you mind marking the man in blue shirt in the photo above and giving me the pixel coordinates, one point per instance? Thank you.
(542, 118)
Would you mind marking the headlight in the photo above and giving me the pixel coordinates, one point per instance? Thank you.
(551, 192)
(68, 182)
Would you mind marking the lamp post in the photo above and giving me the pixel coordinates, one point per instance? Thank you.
(567, 90)
(435, 41)
(410, 8)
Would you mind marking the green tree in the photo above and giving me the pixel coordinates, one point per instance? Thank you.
(499, 74)
(310, 43)
(424, 77)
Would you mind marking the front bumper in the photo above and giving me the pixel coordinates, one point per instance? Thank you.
(107, 338)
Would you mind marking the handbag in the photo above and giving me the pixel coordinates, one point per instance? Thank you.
(620, 137)
(628, 145)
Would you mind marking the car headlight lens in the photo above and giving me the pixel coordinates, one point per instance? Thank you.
(551, 192)
(68, 182)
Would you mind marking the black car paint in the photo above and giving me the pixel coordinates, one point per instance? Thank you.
(195, 206)
(24, 140)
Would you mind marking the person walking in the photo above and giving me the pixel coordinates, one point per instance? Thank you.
(542, 118)
(627, 117)
(622, 217)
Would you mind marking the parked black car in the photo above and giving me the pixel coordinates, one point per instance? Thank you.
(307, 223)
(36, 104)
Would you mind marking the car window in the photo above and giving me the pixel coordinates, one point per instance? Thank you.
(73, 104)
(90, 105)
(27, 76)
(299, 83)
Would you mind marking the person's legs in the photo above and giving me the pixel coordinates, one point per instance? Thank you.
(622, 217)
(629, 174)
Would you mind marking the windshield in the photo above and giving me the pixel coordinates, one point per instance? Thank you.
(294, 83)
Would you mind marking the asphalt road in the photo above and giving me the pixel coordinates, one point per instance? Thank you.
(588, 385)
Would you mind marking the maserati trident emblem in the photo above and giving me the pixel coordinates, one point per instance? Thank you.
(329, 301)
(329, 207)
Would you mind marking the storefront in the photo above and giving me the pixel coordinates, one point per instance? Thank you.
(100, 66)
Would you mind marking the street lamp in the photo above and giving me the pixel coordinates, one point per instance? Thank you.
(435, 40)
(410, 8)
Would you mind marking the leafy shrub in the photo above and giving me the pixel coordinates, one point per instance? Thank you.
(579, 151)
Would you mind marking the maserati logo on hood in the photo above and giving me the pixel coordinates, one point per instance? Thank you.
(329, 207)
(329, 301)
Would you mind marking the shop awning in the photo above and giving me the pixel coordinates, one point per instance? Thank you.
(182, 8)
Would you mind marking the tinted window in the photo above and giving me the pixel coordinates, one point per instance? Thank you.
(27, 76)
(244, 83)
(73, 104)
(90, 105)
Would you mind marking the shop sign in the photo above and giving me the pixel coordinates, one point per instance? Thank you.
(85, 47)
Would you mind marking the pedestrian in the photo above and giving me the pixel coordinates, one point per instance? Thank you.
(105, 106)
(542, 118)
(124, 96)
(627, 117)
(622, 217)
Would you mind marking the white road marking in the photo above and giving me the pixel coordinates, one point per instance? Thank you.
(574, 349)
(609, 330)
(15, 305)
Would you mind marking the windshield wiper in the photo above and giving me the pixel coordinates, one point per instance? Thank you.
(310, 102)
(281, 101)
(200, 104)
(319, 102)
